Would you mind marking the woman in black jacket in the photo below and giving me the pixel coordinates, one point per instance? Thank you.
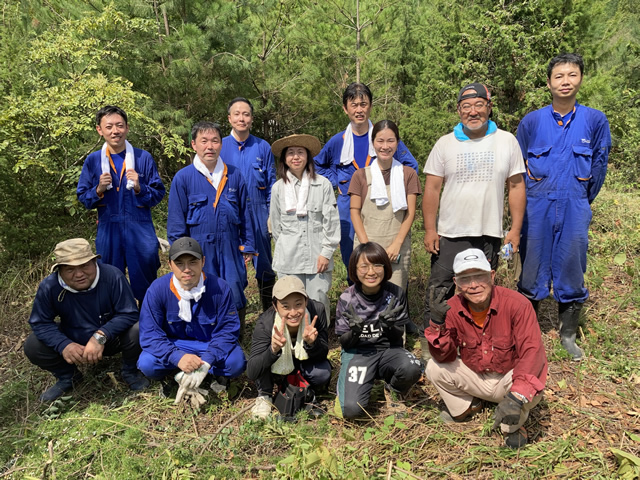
(290, 336)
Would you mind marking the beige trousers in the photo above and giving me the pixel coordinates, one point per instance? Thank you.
(458, 385)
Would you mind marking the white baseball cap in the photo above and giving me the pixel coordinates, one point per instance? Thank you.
(469, 259)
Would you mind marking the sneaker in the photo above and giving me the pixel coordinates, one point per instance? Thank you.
(262, 408)
(475, 407)
(135, 379)
(62, 386)
(516, 439)
(395, 402)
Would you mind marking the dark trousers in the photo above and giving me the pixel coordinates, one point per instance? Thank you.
(399, 368)
(442, 263)
(316, 372)
(49, 359)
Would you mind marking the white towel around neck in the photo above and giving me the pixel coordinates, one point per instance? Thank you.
(68, 288)
(129, 162)
(296, 203)
(214, 177)
(284, 365)
(347, 153)
(184, 304)
(396, 184)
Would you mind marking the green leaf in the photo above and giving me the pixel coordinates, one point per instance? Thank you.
(620, 455)
(389, 420)
(634, 437)
(620, 259)
(562, 384)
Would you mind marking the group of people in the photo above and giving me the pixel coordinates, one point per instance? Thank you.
(479, 342)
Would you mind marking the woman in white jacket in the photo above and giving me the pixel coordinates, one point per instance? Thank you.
(304, 218)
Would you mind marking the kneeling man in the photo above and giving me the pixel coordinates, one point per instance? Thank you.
(98, 316)
(189, 323)
(502, 358)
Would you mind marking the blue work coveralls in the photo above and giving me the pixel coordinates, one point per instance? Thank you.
(566, 160)
(254, 159)
(212, 333)
(126, 236)
(219, 220)
(328, 165)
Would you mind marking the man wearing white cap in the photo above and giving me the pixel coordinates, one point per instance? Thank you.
(502, 359)
(98, 317)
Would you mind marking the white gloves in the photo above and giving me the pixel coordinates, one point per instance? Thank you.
(193, 379)
(189, 390)
(193, 395)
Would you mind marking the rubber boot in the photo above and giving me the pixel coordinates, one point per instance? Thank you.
(536, 306)
(242, 313)
(569, 316)
(266, 292)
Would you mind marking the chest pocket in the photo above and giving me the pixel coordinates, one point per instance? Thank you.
(503, 355)
(259, 174)
(538, 162)
(196, 209)
(582, 162)
(231, 207)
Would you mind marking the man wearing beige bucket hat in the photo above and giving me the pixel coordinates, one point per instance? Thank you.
(304, 219)
(98, 317)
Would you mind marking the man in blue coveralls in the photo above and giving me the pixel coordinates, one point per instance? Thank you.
(122, 183)
(208, 202)
(253, 157)
(566, 150)
(350, 150)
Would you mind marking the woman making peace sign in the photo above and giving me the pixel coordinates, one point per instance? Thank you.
(291, 335)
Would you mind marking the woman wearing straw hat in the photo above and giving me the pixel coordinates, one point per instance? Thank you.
(304, 218)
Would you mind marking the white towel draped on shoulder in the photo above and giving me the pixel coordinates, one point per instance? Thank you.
(214, 177)
(184, 304)
(284, 364)
(129, 162)
(379, 189)
(347, 153)
(296, 203)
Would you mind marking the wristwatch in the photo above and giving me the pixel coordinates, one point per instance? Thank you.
(100, 338)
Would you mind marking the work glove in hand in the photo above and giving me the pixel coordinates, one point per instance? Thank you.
(194, 396)
(193, 379)
(438, 304)
(389, 315)
(508, 411)
(355, 321)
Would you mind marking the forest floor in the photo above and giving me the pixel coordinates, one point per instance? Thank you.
(587, 425)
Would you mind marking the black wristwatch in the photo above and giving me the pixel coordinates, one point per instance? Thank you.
(100, 338)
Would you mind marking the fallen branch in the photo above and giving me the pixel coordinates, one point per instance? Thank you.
(221, 427)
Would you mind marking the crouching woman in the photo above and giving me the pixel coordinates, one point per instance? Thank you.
(290, 336)
(370, 320)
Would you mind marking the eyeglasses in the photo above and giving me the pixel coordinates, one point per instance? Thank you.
(466, 280)
(377, 267)
(466, 107)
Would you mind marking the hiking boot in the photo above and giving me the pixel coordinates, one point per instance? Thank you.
(395, 401)
(135, 379)
(569, 316)
(65, 384)
(467, 415)
(262, 408)
(516, 439)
